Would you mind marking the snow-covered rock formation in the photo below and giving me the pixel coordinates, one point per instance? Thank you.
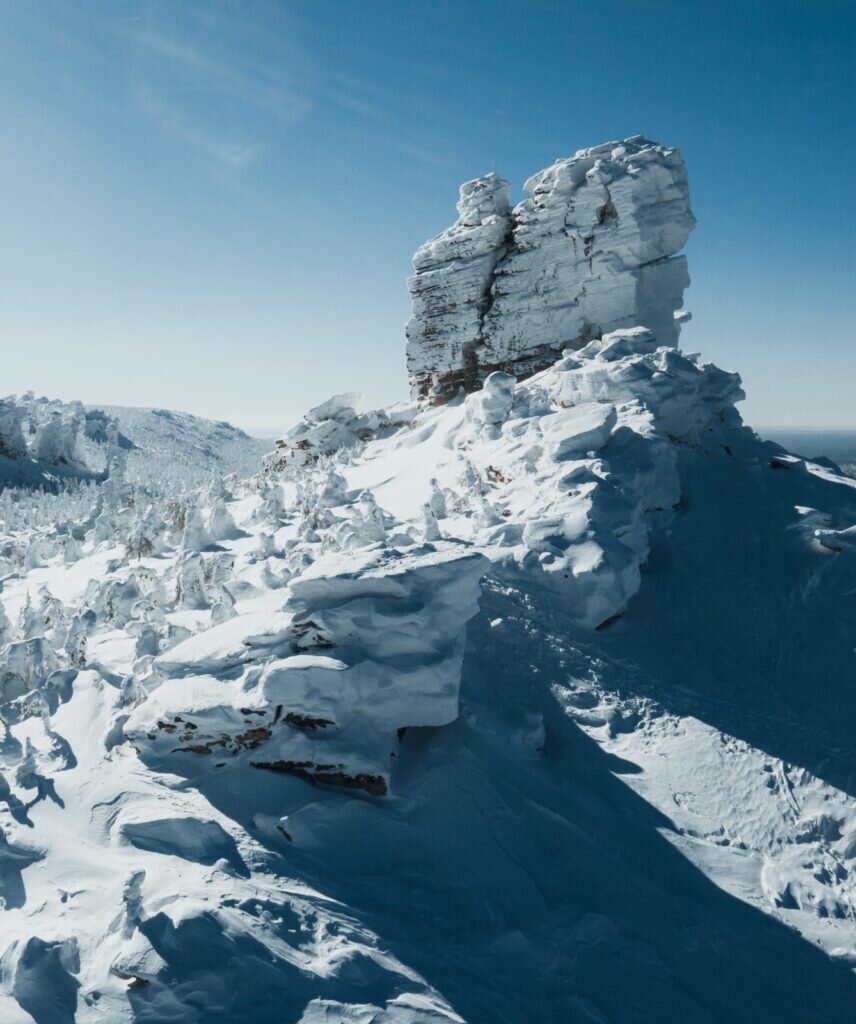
(535, 704)
(591, 249)
(367, 645)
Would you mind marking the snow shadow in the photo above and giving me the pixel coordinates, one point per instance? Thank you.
(205, 842)
(223, 977)
(45, 986)
(13, 860)
(744, 621)
(514, 869)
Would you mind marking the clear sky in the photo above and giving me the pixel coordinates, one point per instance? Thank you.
(212, 206)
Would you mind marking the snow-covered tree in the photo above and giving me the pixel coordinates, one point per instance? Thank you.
(30, 623)
(437, 500)
(75, 641)
(430, 527)
(194, 537)
(6, 631)
(12, 442)
(369, 522)
(190, 580)
(56, 441)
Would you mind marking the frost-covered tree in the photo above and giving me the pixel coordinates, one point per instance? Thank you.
(148, 641)
(30, 623)
(132, 900)
(71, 551)
(175, 517)
(485, 513)
(194, 537)
(437, 500)
(266, 545)
(369, 522)
(430, 527)
(26, 774)
(223, 606)
(333, 489)
(272, 508)
(117, 460)
(221, 525)
(56, 441)
(144, 537)
(12, 442)
(190, 581)
(25, 665)
(52, 614)
(6, 632)
(75, 641)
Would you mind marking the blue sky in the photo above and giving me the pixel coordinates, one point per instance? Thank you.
(212, 206)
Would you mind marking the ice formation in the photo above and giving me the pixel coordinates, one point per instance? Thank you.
(439, 714)
(590, 250)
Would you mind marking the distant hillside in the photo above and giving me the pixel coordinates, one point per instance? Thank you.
(45, 442)
(180, 443)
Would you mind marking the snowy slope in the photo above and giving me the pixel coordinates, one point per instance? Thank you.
(655, 800)
(536, 705)
(200, 446)
(51, 444)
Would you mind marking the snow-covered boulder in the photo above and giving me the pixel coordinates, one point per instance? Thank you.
(370, 642)
(343, 421)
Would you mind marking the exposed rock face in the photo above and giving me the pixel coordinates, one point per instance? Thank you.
(451, 290)
(590, 250)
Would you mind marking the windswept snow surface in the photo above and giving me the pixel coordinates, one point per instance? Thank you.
(271, 752)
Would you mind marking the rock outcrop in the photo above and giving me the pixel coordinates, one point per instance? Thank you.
(369, 643)
(592, 249)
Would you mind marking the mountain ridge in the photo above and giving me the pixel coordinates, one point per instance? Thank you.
(527, 699)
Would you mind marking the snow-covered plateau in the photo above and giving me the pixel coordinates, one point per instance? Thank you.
(528, 701)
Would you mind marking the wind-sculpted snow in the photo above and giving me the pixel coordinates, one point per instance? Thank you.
(256, 765)
(591, 249)
(368, 643)
(535, 705)
(42, 443)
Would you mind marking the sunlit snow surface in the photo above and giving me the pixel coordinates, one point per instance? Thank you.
(624, 789)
